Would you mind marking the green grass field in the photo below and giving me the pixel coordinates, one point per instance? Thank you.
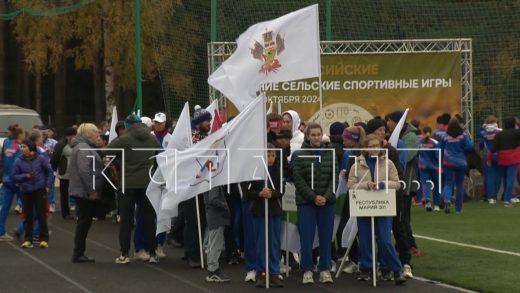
(479, 224)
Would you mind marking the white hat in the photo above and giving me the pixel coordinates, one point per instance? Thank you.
(147, 121)
(160, 117)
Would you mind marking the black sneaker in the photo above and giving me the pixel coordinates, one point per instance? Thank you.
(82, 259)
(234, 259)
(193, 263)
(260, 281)
(399, 279)
(275, 282)
(429, 206)
(447, 209)
(364, 276)
(217, 277)
(387, 276)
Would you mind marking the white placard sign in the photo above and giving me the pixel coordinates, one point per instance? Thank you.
(289, 198)
(367, 203)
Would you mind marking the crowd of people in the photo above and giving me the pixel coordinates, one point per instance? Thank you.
(427, 166)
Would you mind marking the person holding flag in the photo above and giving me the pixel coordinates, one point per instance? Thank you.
(256, 192)
(313, 174)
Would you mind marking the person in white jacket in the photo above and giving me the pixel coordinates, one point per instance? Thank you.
(291, 120)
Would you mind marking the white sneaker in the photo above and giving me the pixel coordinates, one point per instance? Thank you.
(407, 271)
(153, 259)
(515, 200)
(284, 268)
(123, 260)
(436, 209)
(308, 278)
(251, 276)
(333, 267)
(492, 201)
(351, 268)
(160, 252)
(52, 208)
(325, 277)
(72, 208)
(18, 209)
(142, 255)
(6, 238)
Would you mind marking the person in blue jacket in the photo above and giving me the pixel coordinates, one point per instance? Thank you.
(428, 165)
(10, 152)
(492, 171)
(454, 147)
(34, 176)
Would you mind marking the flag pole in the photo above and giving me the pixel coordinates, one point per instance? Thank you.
(374, 269)
(200, 232)
(266, 201)
(319, 68)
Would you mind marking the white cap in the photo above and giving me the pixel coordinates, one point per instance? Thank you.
(147, 121)
(160, 117)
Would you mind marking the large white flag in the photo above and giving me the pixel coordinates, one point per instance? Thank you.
(180, 140)
(234, 153)
(286, 48)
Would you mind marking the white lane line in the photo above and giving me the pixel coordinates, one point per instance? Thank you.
(467, 245)
(177, 277)
(56, 272)
(437, 283)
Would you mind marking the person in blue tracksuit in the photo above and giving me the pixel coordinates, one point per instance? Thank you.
(428, 165)
(257, 192)
(10, 152)
(491, 172)
(506, 145)
(370, 173)
(313, 175)
(454, 147)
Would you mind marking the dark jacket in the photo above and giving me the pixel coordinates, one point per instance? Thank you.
(252, 190)
(324, 173)
(39, 167)
(137, 162)
(82, 162)
(507, 146)
(336, 143)
(217, 209)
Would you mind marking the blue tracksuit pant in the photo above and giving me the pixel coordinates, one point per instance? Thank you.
(8, 192)
(433, 176)
(454, 176)
(249, 238)
(491, 180)
(275, 227)
(311, 216)
(388, 259)
(509, 175)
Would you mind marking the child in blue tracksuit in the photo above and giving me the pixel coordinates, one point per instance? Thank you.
(10, 152)
(257, 193)
(491, 172)
(428, 165)
(455, 144)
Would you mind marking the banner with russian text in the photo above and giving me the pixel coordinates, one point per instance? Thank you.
(359, 87)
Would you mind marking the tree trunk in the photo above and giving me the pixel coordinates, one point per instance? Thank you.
(2, 56)
(38, 92)
(99, 86)
(26, 85)
(60, 87)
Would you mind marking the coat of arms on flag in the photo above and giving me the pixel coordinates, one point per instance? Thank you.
(268, 52)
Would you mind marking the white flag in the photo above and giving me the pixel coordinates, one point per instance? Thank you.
(180, 140)
(349, 233)
(232, 154)
(394, 137)
(286, 48)
(113, 123)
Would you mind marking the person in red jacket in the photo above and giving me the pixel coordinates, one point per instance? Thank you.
(506, 145)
